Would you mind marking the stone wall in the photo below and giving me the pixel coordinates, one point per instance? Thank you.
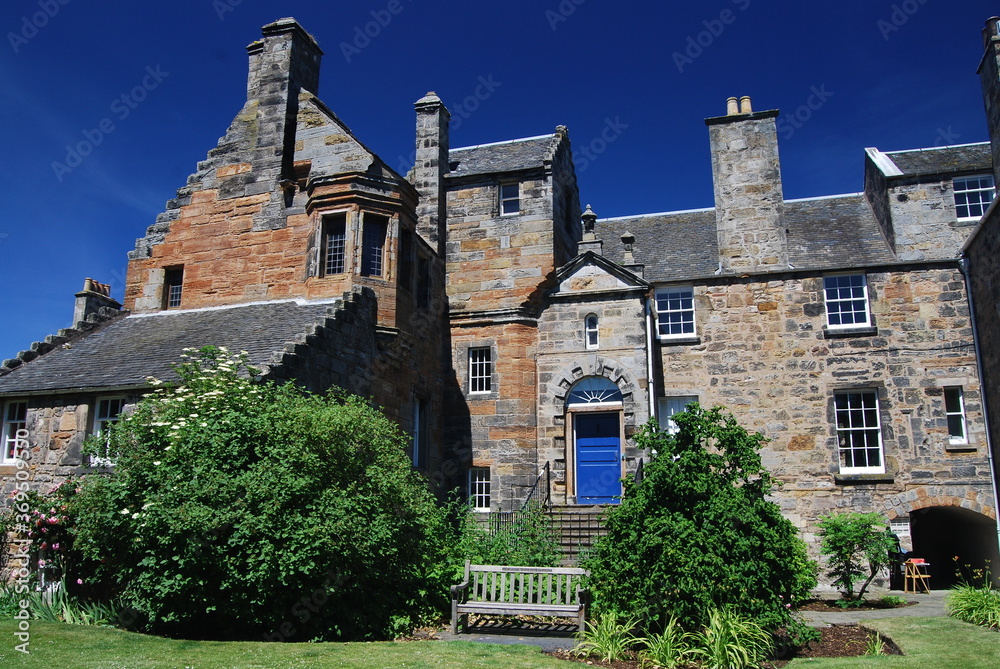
(924, 220)
(983, 254)
(765, 354)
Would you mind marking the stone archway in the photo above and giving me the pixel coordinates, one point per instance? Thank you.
(944, 527)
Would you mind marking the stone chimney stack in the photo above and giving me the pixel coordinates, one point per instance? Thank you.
(749, 203)
(430, 167)
(91, 299)
(989, 76)
(284, 62)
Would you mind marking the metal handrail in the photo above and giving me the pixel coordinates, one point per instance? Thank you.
(547, 473)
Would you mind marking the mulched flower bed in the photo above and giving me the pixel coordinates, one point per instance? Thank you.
(836, 641)
(831, 605)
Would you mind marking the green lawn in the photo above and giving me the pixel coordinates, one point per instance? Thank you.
(55, 645)
(928, 643)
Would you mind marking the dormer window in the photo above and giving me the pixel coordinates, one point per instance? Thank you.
(334, 248)
(373, 255)
(510, 199)
(973, 196)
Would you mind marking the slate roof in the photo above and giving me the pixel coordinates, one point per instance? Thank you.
(125, 351)
(823, 233)
(944, 160)
(516, 154)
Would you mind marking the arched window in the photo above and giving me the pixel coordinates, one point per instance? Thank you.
(594, 390)
(591, 334)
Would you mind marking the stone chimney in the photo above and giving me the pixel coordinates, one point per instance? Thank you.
(284, 64)
(749, 203)
(989, 77)
(92, 299)
(430, 167)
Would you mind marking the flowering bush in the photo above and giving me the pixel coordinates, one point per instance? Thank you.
(699, 533)
(239, 509)
(49, 530)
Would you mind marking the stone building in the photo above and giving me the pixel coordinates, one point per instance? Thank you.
(523, 343)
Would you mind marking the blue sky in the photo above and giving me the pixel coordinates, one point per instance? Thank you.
(891, 74)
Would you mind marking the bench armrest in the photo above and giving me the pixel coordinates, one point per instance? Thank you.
(457, 590)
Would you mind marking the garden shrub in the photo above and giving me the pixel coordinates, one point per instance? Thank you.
(239, 509)
(698, 532)
(974, 599)
(856, 546)
(527, 538)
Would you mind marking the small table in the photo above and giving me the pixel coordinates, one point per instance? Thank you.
(916, 577)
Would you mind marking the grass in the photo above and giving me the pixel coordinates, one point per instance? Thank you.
(928, 643)
(74, 646)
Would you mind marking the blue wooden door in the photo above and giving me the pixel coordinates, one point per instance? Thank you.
(598, 458)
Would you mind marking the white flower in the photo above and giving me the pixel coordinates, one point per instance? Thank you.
(157, 463)
(124, 512)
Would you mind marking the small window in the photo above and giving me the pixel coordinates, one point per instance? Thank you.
(591, 332)
(675, 312)
(173, 283)
(846, 301)
(406, 259)
(510, 199)
(480, 370)
(108, 411)
(373, 258)
(334, 247)
(479, 488)
(954, 408)
(420, 431)
(593, 391)
(15, 420)
(669, 406)
(423, 282)
(973, 196)
(859, 434)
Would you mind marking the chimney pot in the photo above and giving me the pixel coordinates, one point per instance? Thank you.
(991, 30)
(745, 107)
(732, 107)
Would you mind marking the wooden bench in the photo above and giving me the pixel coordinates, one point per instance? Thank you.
(510, 591)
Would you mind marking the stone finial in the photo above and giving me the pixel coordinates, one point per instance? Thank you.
(589, 218)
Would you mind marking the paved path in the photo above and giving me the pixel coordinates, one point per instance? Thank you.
(554, 637)
(927, 605)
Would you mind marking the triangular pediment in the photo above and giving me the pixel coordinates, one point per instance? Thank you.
(592, 273)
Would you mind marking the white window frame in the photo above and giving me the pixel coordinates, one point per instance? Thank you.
(675, 310)
(102, 420)
(859, 425)
(846, 290)
(591, 332)
(480, 482)
(670, 405)
(976, 192)
(506, 198)
(955, 415)
(480, 370)
(12, 424)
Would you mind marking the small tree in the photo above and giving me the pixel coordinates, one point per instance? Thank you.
(855, 545)
(243, 509)
(699, 533)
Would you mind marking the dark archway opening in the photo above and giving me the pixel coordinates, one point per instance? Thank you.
(942, 533)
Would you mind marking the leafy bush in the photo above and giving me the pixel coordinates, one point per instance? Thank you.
(247, 510)
(698, 532)
(519, 538)
(669, 648)
(608, 638)
(730, 641)
(977, 605)
(856, 545)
